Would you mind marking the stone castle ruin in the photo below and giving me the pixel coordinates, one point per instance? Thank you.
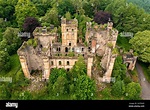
(44, 52)
(130, 60)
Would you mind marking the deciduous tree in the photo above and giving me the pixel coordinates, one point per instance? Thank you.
(118, 89)
(85, 88)
(102, 17)
(30, 24)
(12, 40)
(4, 61)
(140, 43)
(51, 17)
(23, 9)
(133, 91)
(119, 70)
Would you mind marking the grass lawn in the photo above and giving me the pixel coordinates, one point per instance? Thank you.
(15, 67)
(145, 70)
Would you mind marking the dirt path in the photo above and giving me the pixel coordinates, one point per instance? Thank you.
(144, 83)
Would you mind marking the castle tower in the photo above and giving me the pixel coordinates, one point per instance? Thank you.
(69, 32)
(46, 68)
(89, 66)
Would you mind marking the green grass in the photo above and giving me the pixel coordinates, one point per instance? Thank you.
(145, 70)
(123, 42)
(134, 75)
(15, 67)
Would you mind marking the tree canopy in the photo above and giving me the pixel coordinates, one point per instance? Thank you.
(118, 89)
(119, 70)
(4, 61)
(102, 17)
(133, 90)
(140, 43)
(30, 24)
(23, 9)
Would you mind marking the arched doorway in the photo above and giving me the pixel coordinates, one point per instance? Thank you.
(66, 49)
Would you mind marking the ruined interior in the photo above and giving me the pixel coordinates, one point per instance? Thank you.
(45, 52)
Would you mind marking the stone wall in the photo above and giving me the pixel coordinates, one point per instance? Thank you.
(69, 32)
(66, 63)
(24, 66)
(46, 68)
(89, 66)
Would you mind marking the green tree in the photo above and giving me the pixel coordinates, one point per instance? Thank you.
(118, 89)
(68, 16)
(4, 61)
(82, 19)
(140, 43)
(55, 73)
(85, 88)
(119, 70)
(60, 86)
(25, 95)
(2, 23)
(133, 21)
(64, 6)
(142, 3)
(133, 91)
(79, 68)
(4, 93)
(51, 17)
(42, 6)
(13, 41)
(3, 45)
(23, 9)
(106, 94)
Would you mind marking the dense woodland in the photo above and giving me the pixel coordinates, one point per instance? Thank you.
(24, 15)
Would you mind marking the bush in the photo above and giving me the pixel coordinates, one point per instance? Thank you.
(118, 89)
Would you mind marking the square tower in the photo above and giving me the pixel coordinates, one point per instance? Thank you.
(69, 32)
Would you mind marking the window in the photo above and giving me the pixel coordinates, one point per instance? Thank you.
(59, 49)
(69, 44)
(67, 30)
(66, 49)
(41, 46)
(59, 62)
(72, 29)
(67, 62)
(52, 63)
(82, 49)
(75, 62)
(67, 69)
(89, 41)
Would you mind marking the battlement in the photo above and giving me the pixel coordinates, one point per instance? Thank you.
(72, 22)
(45, 31)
